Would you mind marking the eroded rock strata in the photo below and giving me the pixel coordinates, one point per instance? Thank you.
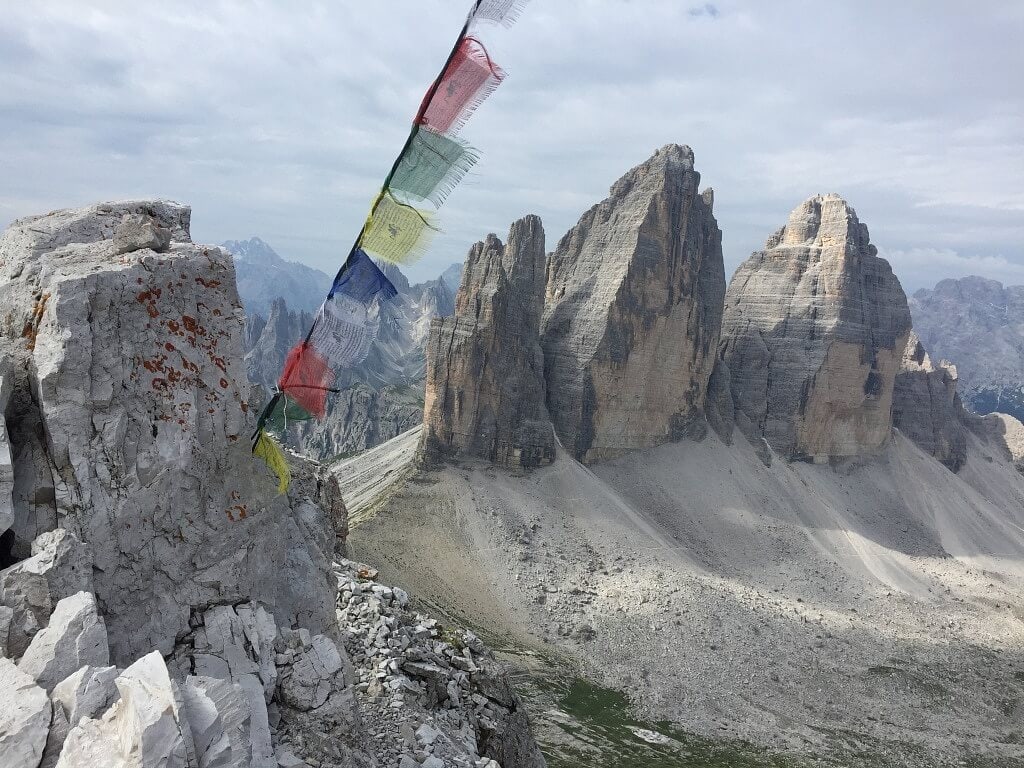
(485, 387)
(632, 311)
(813, 335)
(927, 408)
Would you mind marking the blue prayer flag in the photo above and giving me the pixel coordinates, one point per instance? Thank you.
(361, 279)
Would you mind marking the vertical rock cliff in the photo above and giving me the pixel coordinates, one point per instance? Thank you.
(813, 334)
(926, 406)
(128, 426)
(632, 312)
(485, 372)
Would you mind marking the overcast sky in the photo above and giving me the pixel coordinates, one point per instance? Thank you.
(281, 119)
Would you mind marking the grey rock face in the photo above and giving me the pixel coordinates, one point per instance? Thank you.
(141, 231)
(814, 331)
(979, 325)
(485, 388)
(25, 715)
(74, 637)
(146, 728)
(87, 692)
(633, 311)
(135, 436)
(927, 408)
(60, 566)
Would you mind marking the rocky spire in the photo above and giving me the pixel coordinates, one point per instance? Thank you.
(633, 311)
(926, 406)
(485, 375)
(813, 334)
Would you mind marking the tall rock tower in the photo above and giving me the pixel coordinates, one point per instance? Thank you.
(485, 388)
(813, 335)
(633, 311)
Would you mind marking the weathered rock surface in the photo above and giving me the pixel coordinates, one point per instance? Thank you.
(979, 325)
(926, 406)
(633, 311)
(218, 716)
(485, 389)
(87, 692)
(813, 334)
(128, 424)
(75, 636)
(436, 695)
(59, 567)
(144, 729)
(25, 715)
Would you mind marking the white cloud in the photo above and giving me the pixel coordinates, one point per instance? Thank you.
(280, 120)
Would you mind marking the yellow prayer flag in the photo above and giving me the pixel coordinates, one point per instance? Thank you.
(268, 450)
(396, 232)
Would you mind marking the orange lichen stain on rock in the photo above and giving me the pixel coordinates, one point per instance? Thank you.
(219, 362)
(169, 347)
(243, 511)
(208, 283)
(245, 407)
(223, 383)
(31, 330)
(190, 323)
(158, 383)
(230, 516)
(217, 313)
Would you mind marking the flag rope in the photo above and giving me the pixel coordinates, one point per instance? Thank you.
(346, 325)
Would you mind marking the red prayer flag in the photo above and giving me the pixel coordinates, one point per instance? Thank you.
(469, 78)
(307, 378)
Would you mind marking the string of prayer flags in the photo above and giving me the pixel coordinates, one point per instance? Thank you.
(267, 449)
(469, 78)
(430, 165)
(433, 165)
(395, 231)
(504, 12)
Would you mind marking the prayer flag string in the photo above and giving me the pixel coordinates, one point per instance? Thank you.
(431, 164)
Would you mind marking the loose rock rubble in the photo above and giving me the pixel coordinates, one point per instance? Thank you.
(436, 695)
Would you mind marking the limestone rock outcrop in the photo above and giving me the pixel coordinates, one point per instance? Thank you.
(128, 424)
(813, 334)
(25, 715)
(485, 389)
(632, 312)
(60, 566)
(926, 406)
(75, 636)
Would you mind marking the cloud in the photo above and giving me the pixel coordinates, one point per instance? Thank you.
(918, 267)
(280, 121)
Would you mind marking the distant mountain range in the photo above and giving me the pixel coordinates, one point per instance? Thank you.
(978, 325)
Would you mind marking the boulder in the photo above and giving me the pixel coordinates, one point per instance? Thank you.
(86, 693)
(60, 566)
(813, 334)
(25, 715)
(218, 716)
(144, 729)
(141, 231)
(312, 677)
(485, 387)
(633, 307)
(926, 406)
(75, 636)
(6, 619)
